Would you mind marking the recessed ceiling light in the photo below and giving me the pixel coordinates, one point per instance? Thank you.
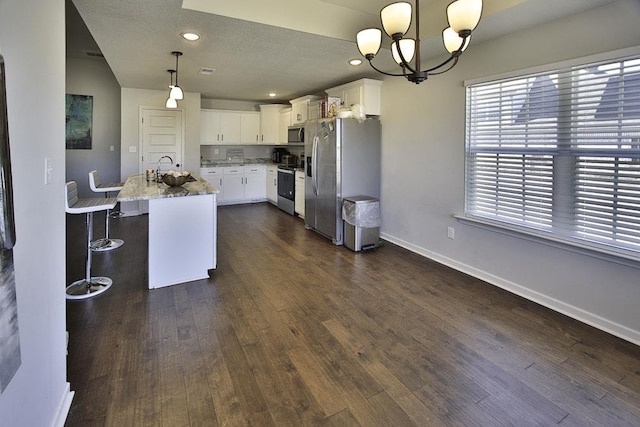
(355, 62)
(190, 36)
(273, 94)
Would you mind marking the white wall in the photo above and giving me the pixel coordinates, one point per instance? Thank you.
(131, 101)
(94, 77)
(32, 42)
(423, 171)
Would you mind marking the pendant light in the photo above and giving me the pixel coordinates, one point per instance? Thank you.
(463, 16)
(176, 91)
(171, 102)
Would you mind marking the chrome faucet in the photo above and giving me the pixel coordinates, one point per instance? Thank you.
(158, 177)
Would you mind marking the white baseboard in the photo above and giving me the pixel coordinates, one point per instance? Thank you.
(64, 406)
(574, 312)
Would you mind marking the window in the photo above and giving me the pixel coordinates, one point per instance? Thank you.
(557, 154)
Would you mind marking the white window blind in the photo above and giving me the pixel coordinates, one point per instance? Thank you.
(558, 153)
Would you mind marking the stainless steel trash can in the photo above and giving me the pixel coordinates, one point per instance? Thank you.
(361, 215)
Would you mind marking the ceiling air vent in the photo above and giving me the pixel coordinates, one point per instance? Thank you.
(207, 71)
(93, 54)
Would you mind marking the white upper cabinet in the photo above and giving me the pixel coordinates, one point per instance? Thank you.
(285, 122)
(250, 127)
(300, 109)
(219, 127)
(270, 124)
(364, 91)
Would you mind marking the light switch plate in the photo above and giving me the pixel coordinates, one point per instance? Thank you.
(133, 149)
(48, 170)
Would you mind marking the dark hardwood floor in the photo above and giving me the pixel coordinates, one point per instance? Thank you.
(291, 330)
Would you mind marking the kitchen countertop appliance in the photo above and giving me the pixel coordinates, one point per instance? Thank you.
(289, 160)
(342, 160)
(278, 152)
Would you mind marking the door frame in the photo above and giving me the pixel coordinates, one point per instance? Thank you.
(143, 205)
(141, 110)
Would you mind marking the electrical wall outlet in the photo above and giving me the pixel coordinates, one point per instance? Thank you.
(451, 232)
(216, 151)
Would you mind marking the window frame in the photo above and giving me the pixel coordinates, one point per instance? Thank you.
(539, 235)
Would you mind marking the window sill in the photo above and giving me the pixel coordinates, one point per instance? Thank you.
(619, 257)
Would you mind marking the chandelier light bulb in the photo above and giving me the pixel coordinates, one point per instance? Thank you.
(452, 41)
(408, 48)
(464, 15)
(369, 41)
(396, 18)
(171, 103)
(176, 93)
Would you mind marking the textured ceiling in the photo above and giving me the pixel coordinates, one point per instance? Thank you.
(291, 47)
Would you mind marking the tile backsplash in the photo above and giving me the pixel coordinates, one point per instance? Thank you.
(222, 152)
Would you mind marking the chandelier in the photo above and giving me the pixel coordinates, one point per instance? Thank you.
(463, 17)
(176, 91)
(171, 102)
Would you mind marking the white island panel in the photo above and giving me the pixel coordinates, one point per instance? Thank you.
(182, 228)
(181, 239)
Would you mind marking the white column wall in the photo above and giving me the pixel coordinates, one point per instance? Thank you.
(32, 41)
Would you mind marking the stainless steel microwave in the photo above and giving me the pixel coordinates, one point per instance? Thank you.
(295, 134)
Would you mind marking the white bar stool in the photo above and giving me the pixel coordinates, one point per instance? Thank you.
(89, 286)
(106, 243)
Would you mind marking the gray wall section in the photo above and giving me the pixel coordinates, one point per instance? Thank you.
(94, 77)
(423, 137)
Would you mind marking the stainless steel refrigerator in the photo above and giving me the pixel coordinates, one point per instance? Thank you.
(342, 160)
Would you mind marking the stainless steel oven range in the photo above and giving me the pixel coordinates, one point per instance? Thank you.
(286, 189)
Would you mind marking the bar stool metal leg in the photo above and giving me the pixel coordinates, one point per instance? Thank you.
(89, 286)
(106, 243)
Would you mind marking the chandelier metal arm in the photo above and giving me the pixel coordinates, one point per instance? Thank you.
(385, 73)
(434, 70)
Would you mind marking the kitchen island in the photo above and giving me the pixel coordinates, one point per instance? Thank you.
(182, 228)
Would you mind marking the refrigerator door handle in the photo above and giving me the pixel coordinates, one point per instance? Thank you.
(314, 167)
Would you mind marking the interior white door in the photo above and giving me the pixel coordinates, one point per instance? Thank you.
(162, 135)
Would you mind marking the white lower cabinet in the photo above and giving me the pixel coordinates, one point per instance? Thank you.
(238, 184)
(233, 183)
(213, 177)
(299, 197)
(272, 184)
(255, 183)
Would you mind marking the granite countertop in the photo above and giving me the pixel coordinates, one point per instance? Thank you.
(138, 188)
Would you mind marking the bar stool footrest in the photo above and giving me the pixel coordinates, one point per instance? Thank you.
(81, 289)
(104, 245)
